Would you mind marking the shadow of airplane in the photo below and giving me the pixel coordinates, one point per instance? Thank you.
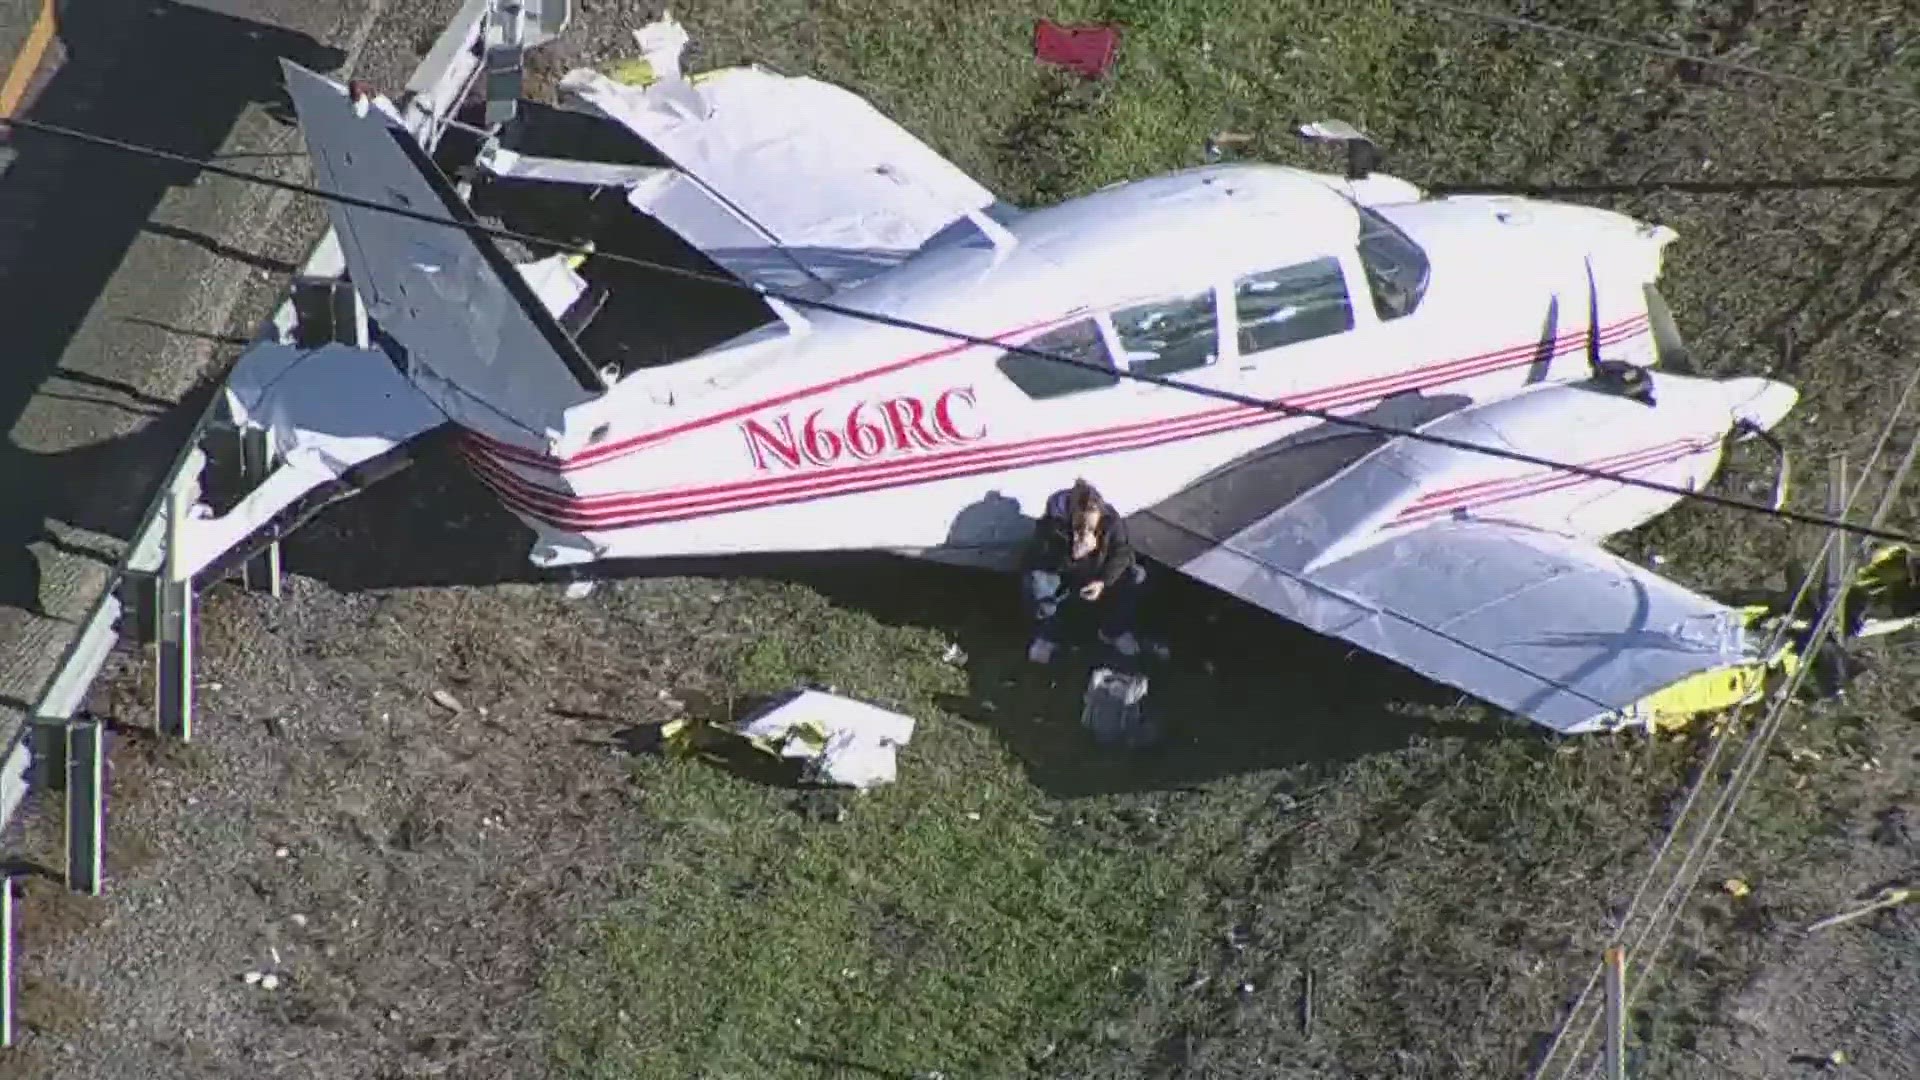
(161, 73)
(1244, 690)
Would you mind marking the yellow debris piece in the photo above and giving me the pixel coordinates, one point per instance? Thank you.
(1735, 887)
(635, 72)
(1712, 691)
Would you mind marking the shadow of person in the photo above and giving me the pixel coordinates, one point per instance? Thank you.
(1243, 691)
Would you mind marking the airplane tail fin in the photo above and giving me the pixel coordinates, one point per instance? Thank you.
(446, 295)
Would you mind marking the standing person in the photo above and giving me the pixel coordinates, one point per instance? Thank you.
(1080, 561)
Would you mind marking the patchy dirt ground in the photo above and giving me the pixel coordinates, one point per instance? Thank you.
(519, 888)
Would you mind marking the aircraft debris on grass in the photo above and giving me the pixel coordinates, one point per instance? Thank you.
(1507, 323)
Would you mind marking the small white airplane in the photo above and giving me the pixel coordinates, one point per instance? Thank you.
(1517, 324)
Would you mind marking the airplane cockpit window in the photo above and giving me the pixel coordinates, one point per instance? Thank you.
(1396, 267)
(1165, 336)
(1292, 304)
(1040, 378)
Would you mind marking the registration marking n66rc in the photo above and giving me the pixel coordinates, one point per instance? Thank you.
(863, 431)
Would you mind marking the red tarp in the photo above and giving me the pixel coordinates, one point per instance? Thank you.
(1088, 50)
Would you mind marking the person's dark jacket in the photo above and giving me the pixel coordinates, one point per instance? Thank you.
(1051, 547)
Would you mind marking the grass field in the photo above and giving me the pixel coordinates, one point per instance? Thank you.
(1020, 903)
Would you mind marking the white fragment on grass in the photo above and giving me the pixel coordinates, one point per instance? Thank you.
(298, 919)
(269, 982)
(973, 815)
(281, 853)
(577, 590)
(251, 977)
(447, 701)
(954, 655)
(275, 953)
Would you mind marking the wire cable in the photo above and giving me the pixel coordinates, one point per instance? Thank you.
(1246, 401)
(1664, 915)
(1661, 50)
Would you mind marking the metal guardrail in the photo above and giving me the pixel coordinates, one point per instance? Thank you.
(435, 91)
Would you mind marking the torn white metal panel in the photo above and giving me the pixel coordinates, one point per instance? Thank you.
(507, 164)
(843, 741)
(325, 411)
(554, 282)
(814, 167)
(1549, 627)
(444, 294)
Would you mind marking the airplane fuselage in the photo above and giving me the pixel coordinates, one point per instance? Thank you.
(1266, 285)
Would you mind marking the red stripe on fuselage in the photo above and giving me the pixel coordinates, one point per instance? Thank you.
(620, 510)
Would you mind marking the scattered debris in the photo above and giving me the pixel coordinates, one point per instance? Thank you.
(1086, 49)
(954, 655)
(269, 981)
(661, 43)
(843, 741)
(579, 590)
(251, 978)
(281, 853)
(298, 920)
(1216, 143)
(1887, 898)
(1735, 887)
(448, 702)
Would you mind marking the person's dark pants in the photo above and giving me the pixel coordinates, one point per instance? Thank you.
(1057, 609)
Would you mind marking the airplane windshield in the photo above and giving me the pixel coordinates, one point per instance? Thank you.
(1396, 267)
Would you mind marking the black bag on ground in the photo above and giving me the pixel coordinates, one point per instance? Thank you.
(1114, 709)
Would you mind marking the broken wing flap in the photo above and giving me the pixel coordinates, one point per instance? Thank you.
(328, 423)
(785, 182)
(322, 494)
(1717, 690)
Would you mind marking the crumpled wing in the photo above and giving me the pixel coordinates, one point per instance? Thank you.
(785, 182)
(1552, 628)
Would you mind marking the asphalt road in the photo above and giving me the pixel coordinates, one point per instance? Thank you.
(126, 284)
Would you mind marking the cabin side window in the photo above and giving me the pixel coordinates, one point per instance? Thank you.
(1292, 304)
(1396, 268)
(1162, 337)
(1041, 378)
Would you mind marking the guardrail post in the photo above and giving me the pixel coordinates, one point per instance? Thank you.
(49, 753)
(173, 682)
(262, 572)
(86, 804)
(6, 960)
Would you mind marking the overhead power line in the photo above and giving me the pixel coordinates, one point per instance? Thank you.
(1661, 50)
(726, 282)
